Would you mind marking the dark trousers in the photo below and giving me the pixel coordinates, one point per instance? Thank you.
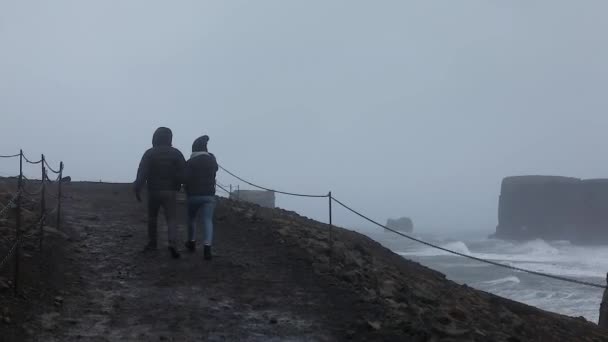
(167, 201)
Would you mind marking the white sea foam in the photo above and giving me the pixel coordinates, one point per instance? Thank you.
(501, 281)
(559, 258)
(457, 246)
(589, 263)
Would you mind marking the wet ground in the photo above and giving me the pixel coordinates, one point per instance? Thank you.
(116, 292)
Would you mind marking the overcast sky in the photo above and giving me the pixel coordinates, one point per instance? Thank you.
(414, 108)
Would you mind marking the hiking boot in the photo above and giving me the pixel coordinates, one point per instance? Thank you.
(150, 247)
(207, 251)
(191, 245)
(174, 253)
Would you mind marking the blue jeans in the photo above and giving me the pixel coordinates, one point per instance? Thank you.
(206, 205)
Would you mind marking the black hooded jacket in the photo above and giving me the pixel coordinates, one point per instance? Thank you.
(200, 174)
(162, 167)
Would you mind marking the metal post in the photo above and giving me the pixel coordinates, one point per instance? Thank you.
(238, 192)
(42, 204)
(59, 196)
(331, 226)
(18, 223)
(230, 195)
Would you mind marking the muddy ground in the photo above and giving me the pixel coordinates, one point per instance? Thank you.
(255, 289)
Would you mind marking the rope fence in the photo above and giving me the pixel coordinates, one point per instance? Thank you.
(9, 205)
(36, 229)
(268, 189)
(9, 156)
(223, 188)
(357, 213)
(32, 162)
(50, 168)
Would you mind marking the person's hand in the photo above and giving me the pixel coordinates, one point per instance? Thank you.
(138, 196)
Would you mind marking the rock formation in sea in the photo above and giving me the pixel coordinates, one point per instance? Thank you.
(553, 208)
(403, 224)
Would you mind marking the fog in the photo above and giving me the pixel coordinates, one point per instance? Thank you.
(400, 108)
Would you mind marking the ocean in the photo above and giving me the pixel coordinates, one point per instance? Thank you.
(588, 263)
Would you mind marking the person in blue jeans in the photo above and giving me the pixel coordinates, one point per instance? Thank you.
(201, 169)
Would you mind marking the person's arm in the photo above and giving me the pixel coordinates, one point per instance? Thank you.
(142, 174)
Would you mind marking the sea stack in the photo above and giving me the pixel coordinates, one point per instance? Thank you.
(553, 208)
(403, 224)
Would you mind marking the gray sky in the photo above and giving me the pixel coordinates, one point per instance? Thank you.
(415, 108)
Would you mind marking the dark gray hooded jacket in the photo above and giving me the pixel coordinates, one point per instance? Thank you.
(162, 167)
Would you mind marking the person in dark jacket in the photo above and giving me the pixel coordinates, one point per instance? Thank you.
(201, 169)
(162, 169)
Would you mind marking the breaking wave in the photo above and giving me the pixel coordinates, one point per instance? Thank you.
(505, 280)
(559, 258)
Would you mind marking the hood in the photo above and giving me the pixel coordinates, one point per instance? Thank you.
(200, 144)
(162, 137)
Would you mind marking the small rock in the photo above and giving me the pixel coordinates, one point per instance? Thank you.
(444, 320)
(375, 325)
(7, 320)
(72, 321)
(4, 284)
(458, 314)
(273, 321)
(387, 288)
(350, 334)
(53, 231)
(351, 276)
(456, 332)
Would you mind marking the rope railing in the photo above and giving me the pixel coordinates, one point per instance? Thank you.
(23, 237)
(16, 203)
(50, 168)
(8, 256)
(9, 205)
(490, 262)
(32, 162)
(36, 224)
(34, 193)
(10, 156)
(223, 188)
(268, 189)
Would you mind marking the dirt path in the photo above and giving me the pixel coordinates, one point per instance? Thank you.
(249, 292)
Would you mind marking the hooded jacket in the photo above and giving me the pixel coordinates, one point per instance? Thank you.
(200, 174)
(162, 167)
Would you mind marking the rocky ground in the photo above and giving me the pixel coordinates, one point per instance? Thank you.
(273, 279)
